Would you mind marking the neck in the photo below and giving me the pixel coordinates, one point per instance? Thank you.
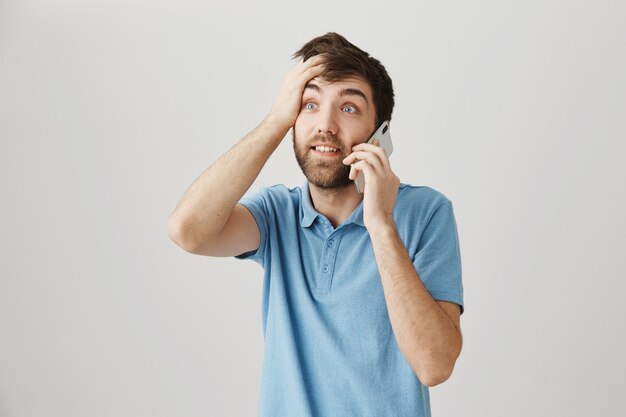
(335, 204)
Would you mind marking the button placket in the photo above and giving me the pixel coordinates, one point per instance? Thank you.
(327, 261)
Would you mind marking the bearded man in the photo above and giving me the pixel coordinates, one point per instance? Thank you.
(362, 292)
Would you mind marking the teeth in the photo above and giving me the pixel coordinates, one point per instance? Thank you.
(325, 149)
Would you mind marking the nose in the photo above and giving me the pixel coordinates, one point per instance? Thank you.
(326, 123)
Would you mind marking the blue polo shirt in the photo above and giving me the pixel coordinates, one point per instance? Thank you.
(329, 346)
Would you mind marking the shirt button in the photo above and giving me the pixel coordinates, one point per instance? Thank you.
(325, 268)
(331, 243)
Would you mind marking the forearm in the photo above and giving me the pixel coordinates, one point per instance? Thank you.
(207, 204)
(426, 335)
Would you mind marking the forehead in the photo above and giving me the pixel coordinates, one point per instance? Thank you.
(335, 87)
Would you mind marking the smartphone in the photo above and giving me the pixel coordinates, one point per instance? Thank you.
(384, 139)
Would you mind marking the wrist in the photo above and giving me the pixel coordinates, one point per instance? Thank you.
(278, 122)
(275, 126)
(383, 229)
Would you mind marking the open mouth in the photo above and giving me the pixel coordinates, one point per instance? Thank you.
(325, 150)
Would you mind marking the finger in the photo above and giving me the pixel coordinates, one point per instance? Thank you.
(357, 167)
(371, 157)
(302, 66)
(354, 170)
(315, 59)
(311, 62)
(365, 166)
(379, 151)
(364, 156)
(311, 73)
(304, 78)
(353, 173)
(368, 147)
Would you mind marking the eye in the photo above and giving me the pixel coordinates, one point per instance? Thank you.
(349, 109)
(309, 106)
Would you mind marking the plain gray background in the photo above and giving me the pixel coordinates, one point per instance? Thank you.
(109, 110)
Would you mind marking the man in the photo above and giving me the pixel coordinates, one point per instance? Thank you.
(362, 292)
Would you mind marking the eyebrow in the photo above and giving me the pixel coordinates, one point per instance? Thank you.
(342, 93)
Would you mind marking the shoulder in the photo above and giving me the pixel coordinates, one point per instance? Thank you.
(275, 196)
(422, 212)
(417, 204)
(420, 197)
(281, 191)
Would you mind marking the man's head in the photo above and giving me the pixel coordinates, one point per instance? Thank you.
(343, 60)
(340, 108)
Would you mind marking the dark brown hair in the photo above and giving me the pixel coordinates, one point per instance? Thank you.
(343, 60)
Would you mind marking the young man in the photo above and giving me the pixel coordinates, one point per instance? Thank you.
(362, 292)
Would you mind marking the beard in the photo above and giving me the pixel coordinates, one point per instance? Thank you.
(326, 173)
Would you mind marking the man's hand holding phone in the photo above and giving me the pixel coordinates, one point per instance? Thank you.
(383, 136)
(380, 188)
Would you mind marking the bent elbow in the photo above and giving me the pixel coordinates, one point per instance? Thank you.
(440, 365)
(433, 379)
(176, 232)
(434, 375)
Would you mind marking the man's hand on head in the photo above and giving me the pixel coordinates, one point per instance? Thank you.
(289, 100)
(381, 183)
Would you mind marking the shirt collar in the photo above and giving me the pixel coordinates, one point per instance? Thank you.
(357, 215)
(309, 214)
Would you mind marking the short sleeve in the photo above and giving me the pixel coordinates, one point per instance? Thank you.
(438, 257)
(257, 206)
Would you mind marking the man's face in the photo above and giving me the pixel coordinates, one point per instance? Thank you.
(333, 118)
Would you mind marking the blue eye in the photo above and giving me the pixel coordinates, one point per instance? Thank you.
(350, 107)
(309, 106)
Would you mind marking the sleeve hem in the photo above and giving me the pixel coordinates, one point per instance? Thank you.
(258, 254)
(448, 296)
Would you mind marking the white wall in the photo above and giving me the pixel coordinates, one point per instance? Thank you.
(110, 109)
